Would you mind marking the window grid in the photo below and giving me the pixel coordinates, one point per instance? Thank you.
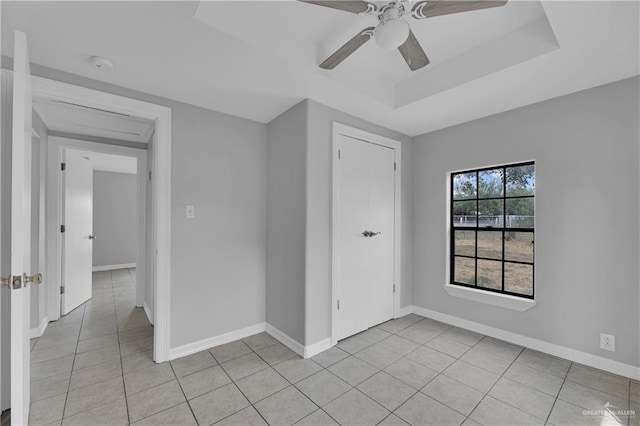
(478, 229)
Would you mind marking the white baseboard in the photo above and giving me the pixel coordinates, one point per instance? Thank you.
(285, 340)
(297, 347)
(316, 348)
(585, 358)
(303, 351)
(39, 330)
(192, 348)
(406, 310)
(112, 267)
(147, 311)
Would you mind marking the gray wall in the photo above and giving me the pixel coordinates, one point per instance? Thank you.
(286, 209)
(38, 151)
(586, 150)
(218, 258)
(115, 218)
(318, 247)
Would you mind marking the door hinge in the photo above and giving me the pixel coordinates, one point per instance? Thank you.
(394, 288)
(338, 305)
(63, 166)
(339, 154)
(61, 228)
(149, 174)
(61, 289)
(394, 167)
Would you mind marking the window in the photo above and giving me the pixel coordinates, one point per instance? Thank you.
(492, 229)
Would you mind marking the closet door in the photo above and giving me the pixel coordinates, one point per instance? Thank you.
(365, 235)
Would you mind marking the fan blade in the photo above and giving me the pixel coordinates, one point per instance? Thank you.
(413, 53)
(429, 9)
(353, 6)
(347, 49)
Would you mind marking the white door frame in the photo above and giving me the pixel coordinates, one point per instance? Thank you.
(55, 218)
(342, 129)
(161, 164)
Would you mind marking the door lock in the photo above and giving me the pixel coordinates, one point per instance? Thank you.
(92, 237)
(35, 278)
(14, 282)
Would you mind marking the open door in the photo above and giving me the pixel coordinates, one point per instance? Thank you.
(20, 232)
(77, 240)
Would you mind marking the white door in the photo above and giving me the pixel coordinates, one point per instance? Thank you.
(365, 235)
(20, 232)
(77, 239)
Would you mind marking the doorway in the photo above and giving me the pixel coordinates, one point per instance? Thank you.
(103, 213)
(158, 199)
(365, 230)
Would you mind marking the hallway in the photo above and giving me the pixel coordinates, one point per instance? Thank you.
(80, 366)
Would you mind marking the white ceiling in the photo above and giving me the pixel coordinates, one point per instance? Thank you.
(111, 163)
(257, 59)
(64, 117)
(374, 71)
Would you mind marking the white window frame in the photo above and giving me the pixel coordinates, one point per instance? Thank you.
(505, 301)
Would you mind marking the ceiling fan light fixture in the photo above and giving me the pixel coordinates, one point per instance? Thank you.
(392, 33)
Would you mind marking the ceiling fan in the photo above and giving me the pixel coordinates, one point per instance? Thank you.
(393, 30)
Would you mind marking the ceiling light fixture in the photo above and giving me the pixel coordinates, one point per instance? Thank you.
(101, 63)
(392, 34)
(393, 31)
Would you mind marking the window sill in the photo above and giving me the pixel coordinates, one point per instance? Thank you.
(501, 300)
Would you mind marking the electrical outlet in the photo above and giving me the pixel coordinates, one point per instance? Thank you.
(608, 342)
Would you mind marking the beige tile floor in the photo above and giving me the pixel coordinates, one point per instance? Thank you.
(94, 367)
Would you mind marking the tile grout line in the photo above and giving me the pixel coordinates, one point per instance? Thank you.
(278, 373)
(238, 387)
(66, 398)
(564, 380)
(405, 357)
(486, 394)
(183, 393)
(391, 412)
(124, 386)
(383, 369)
(629, 406)
(442, 372)
(433, 378)
(81, 325)
(514, 361)
(291, 384)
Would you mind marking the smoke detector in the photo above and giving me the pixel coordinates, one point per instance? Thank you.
(101, 63)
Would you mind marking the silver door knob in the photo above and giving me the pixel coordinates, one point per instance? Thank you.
(92, 237)
(370, 233)
(35, 278)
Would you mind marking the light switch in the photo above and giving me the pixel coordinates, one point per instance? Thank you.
(191, 211)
